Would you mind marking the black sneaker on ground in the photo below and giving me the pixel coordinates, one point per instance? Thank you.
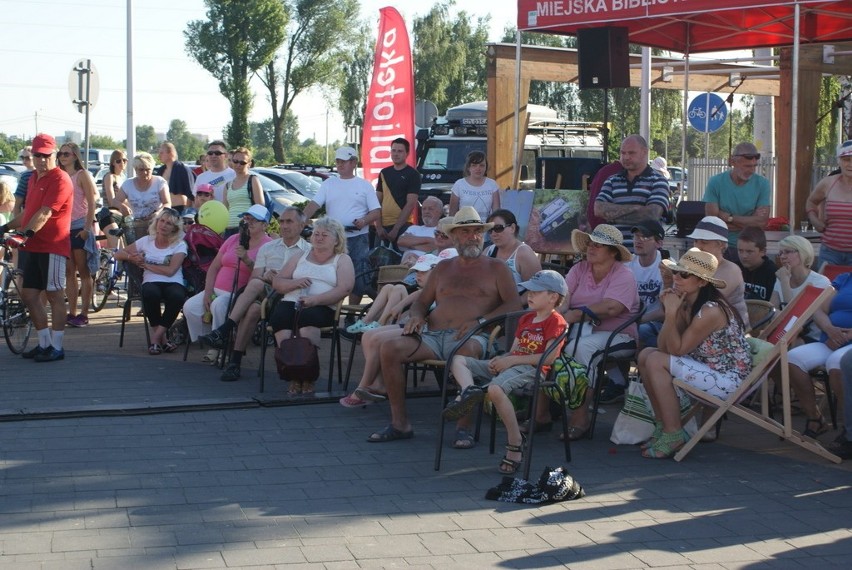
(213, 339)
(33, 352)
(50, 355)
(612, 393)
(231, 373)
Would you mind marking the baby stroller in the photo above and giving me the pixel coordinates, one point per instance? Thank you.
(202, 245)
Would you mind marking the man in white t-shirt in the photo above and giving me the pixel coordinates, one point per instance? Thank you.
(218, 173)
(352, 201)
(245, 313)
(417, 240)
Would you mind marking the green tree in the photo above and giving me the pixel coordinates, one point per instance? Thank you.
(102, 141)
(146, 138)
(318, 44)
(238, 38)
(187, 145)
(449, 57)
(355, 83)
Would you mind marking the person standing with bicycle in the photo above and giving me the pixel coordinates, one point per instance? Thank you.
(46, 222)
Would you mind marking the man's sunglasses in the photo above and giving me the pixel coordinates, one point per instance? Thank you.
(215, 153)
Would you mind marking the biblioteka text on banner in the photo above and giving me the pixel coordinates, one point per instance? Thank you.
(578, 7)
(385, 127)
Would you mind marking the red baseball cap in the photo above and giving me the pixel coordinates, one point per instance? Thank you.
(44, 144)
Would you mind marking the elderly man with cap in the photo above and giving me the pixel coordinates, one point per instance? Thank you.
(352, 201)
(739, 197)
(467, 290)
(46, 221)
(829, 209)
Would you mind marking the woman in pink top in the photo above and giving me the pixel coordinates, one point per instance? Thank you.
(232, 260)
(82, 219)
(829, 209)
(602, 293)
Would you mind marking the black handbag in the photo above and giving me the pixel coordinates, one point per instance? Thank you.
(297, 357)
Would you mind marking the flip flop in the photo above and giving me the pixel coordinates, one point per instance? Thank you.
(390, 433)
(155, 349)
(353, 401)
(368, 395)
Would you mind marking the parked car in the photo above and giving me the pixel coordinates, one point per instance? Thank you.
(282, 196)
(679, 175)
(12, 169)
(295, 181)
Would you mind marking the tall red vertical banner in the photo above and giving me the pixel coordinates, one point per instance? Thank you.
(390, 102)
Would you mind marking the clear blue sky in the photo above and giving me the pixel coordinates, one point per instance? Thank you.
(42, 39)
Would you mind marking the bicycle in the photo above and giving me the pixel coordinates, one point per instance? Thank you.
(14, 315)
(110, 273)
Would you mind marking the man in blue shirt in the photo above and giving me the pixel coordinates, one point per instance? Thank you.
(739, 196)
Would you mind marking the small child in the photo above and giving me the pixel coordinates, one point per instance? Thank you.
(536, 331)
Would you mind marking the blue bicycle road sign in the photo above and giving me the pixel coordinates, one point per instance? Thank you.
(707, 121)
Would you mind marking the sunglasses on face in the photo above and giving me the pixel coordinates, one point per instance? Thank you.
(441, 235)
(42, 155)
(682, 274)
(215, 153)
(498, 228)
(240, 162)
(120, 160)
(64, 153)
(749, 156)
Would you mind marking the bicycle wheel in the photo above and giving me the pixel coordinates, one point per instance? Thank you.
(17, 325)
(103, 284)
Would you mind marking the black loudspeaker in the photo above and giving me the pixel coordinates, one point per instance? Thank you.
(688, 215)
(604, 58)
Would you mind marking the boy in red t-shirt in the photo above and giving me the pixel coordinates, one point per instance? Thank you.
(536, 331)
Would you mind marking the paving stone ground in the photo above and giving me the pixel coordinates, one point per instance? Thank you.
(232, 478)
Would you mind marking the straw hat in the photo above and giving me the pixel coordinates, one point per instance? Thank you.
(603, 234)
(466, 217)
(699, 263)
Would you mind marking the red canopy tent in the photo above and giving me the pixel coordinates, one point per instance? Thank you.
(696, 26)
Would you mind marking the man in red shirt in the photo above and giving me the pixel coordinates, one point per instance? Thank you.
(46, 222)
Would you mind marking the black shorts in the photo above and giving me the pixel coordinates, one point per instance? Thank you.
(77, 242)
(108, 218)
(285, 311)
(44, 271)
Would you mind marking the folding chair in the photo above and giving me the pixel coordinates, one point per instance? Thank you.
(771, 348)
(832, 271)
(134, 293)
(502, 325)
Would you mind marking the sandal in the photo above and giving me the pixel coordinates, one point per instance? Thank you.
(468, 399)
(295, 388)
(510, 466)
(464, 440)
(308, 388)
(821, 428)
(390, 433)
(369, 396)
(155, 349)
(353, 401)
(666, 445)
(658, 431)
(169, 347)
(574, 433)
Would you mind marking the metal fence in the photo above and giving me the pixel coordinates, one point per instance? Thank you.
(701, 169)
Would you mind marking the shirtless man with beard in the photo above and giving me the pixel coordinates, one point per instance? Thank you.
(467, 290)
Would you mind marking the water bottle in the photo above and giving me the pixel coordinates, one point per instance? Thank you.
(207, 317)
(129, 229)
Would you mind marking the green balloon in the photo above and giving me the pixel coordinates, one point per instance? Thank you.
(214, 215)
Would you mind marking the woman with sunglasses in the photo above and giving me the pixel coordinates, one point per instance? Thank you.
(83, 259)
(160, 255)
(702, 342)
(111, 219)
(143, 195)
(243, 191)
(521, 259)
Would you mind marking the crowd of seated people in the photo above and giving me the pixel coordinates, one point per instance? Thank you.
(690, 304)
